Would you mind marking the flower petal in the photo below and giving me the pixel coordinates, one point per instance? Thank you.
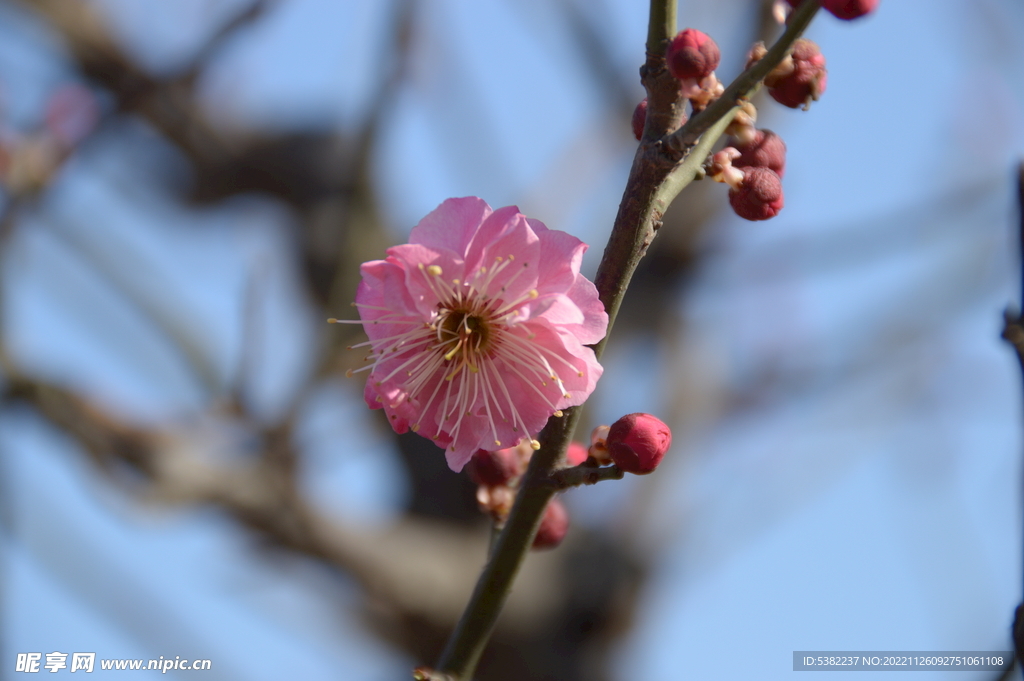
(451, 225)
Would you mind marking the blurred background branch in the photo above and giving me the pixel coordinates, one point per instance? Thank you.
(180, 214)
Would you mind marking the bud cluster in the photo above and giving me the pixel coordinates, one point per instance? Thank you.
(754, 160)
(497, 475)
(636, 444)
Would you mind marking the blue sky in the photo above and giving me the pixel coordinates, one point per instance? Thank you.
(846, 473)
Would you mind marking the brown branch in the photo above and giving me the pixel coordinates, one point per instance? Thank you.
(656, 177)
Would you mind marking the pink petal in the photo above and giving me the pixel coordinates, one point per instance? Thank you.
(451, 225)
(383, 285)
(561, 256)
(423, 288)
(595, 320)
(506, 245)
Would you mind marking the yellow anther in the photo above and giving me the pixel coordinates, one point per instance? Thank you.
(474, 369)
(533, 293)
(534, 445)
(434, 271)
(511, 257)
(559, 413)
(332, 320)
(497, 443)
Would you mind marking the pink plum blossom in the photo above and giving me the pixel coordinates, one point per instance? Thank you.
(478, 328)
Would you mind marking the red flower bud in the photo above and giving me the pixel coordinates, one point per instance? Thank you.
(849, 9)
(494, 468)
(801, 79)
(576, 454)
(638, 442)
(766, 150)
(845, 9)
(639, 119)
(553, 526)
(693, 54)
(759, 197)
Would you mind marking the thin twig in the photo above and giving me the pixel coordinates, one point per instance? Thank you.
(566, 478)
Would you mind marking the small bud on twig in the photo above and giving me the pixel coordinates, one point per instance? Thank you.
(638, 442)
(553, 526)
(759, 196)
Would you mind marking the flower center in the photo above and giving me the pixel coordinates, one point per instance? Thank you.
(464, 333)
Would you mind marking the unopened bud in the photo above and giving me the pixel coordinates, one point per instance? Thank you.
(846, 9)
(693, 54)
(801, 78)
(553, 526)
(759, 196)
(765, 150)
(638, 442)
(494, 468)
(639, 119)
(576, 454)
(850, 9)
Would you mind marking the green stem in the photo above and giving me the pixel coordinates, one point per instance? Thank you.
(661, 26)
